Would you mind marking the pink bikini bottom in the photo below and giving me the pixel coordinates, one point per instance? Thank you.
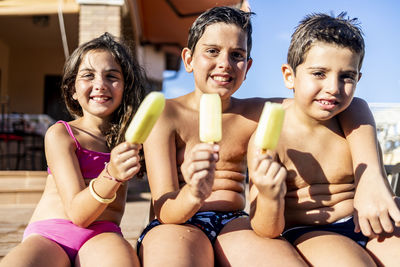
(69, 236)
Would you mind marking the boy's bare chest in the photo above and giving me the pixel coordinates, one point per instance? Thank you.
(236, 132)
(321, 158)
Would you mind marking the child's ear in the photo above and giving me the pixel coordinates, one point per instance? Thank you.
(74, 96)
(288, 76)
(249, 63)
(187, 59)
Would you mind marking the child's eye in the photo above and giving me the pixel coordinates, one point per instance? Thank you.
(112, 76)
(86, 75)
(212, 51)
(238, 56)
(318, 74)
(348, 78)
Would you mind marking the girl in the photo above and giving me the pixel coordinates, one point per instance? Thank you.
(77, 219)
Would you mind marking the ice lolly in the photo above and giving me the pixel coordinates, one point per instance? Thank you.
(269, 126)
(210, 118)
(145, 118)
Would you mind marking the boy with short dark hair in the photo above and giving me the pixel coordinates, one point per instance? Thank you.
(198, 189)
(318, 197)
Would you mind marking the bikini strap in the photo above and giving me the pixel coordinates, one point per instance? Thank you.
(69, 130)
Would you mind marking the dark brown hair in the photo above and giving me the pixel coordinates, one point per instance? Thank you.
(228, 15)
(318, 27)
(134, 84)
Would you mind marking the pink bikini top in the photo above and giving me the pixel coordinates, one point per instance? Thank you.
(91, 162)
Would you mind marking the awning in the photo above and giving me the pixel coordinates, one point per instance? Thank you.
(36, 7)
(166, 23)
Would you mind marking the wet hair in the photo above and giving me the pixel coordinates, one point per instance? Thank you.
(134, 84)
(319, 27)
(228, 15)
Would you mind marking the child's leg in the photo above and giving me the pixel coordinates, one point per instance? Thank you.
(322, 248)
(176, 245)
(385, 249)
(107, 249)
(239, 245)
(38, 251)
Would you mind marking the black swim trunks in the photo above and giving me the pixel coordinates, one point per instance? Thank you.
(210, 222)
(343, 226)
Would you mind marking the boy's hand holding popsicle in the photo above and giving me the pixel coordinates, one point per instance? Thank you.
(268, 175)
(199, 166)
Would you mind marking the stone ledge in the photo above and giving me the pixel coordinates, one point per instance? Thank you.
(23, 174)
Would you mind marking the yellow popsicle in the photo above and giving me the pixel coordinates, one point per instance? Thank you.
(145, 118)
(210, 118)
(269, 126)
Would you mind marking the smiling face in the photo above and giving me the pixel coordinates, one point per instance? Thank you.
(99, 84)
(219, 63)
(324, 84)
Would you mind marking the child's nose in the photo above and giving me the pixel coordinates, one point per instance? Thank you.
(333, 87)
(98, 84)
(224, 61)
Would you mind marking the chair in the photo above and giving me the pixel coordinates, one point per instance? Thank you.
(34, 152)
(393, 172)
(10, 133)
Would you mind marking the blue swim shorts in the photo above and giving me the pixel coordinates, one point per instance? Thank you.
(210, 222)
(343, 226)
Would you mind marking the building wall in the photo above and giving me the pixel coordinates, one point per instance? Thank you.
(4, 61)
(25, 62)
(26, 77)
(153, 61)
(94, 20)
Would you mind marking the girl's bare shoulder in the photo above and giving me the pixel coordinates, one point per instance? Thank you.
(58, 135)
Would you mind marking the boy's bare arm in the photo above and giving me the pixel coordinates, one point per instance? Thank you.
(267, 192)
(171, 203)
(373, 200)
(359, 128)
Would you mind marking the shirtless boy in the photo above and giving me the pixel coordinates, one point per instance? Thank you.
(324, 62)
(198, 190)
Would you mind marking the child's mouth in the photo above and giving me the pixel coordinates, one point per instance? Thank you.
(100, 99)
(223, 79)
(327, 104)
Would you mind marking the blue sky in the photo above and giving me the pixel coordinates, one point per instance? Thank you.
(273, 25)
